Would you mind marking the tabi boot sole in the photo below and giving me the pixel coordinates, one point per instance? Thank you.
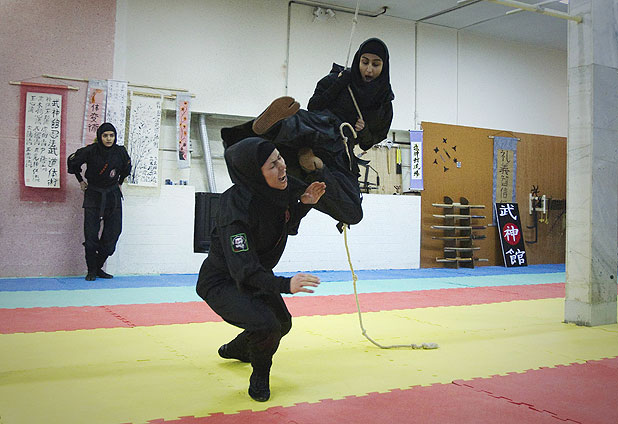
(278, 110)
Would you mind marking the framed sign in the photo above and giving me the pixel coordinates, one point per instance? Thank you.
(511, 235)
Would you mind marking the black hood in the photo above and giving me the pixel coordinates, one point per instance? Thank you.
(242, 160)
(373, 94)
(106, 126)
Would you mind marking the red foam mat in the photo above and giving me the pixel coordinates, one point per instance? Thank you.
(375, 302)
(578, 393)
(584, 393)
(31, 320)
(28, 320)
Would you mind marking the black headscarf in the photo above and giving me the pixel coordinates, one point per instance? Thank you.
(371, 95)
(244, 163)
(104, 150)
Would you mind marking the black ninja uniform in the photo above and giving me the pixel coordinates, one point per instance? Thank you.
(106, 169)
(374, 98)
(318, 128)
(236, 279)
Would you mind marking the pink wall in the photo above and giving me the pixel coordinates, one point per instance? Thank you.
(60, 37)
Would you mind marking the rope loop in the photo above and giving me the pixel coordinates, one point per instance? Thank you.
(346, 146)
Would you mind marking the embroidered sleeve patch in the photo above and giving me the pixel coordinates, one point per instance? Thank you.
(239, 243)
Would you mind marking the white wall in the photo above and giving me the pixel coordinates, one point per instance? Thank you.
(436, 62)
(465, 79)
(229, 53)
(157, 232)
(512, 87)
(157, 236)
(233, 55)
(388, 237)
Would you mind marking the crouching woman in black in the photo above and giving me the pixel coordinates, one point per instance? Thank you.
(107, 165)
(236, 280)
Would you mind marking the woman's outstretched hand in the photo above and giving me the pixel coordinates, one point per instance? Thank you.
(313, 193)
(359, 125)
(301, 281)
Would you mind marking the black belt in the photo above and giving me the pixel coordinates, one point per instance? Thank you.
(104, 192)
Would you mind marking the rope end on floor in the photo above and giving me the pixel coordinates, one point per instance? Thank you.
(425, 346)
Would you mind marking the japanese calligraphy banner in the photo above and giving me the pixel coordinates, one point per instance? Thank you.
(94, 111)
(505, 169)
(116, 107)
(511, 235)
(183, 130)
(144, 132)
(42, 146)
(416, 160)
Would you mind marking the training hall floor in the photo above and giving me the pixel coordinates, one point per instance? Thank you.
(142, 349)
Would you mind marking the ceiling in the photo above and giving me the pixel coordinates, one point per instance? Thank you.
(480, 17)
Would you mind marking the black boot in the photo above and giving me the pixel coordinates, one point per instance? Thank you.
(101, 258)
(91, 276)
(259, 386)
(103, 274)
(232, 135)
(227, 353)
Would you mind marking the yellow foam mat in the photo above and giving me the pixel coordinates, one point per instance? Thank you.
(138, 374)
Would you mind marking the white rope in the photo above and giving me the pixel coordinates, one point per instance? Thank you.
(354, 21)
(347, 60)
(360, 115)
(360, 318)
(345, 226)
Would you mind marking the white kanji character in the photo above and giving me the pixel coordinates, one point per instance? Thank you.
(507, 208)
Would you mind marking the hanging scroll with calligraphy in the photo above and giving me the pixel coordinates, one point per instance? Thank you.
(94, 112)
(116, 107)
(42, 142)
(416, 160)
(143, 142)
(505, 169)
(183, 130)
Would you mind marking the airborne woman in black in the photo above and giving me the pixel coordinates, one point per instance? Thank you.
(236, 280)
(107, 165)
(310, 140)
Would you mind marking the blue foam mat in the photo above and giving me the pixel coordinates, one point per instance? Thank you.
(183, 280)
(186, 293)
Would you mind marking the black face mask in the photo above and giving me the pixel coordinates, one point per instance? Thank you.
(244, 162)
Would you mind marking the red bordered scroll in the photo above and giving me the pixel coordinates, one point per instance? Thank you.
(42, 147)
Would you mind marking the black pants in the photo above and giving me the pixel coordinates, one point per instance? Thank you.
(342, 199)
(264, 318)
(99, 249)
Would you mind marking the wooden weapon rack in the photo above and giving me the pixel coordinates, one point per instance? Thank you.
(457, 232)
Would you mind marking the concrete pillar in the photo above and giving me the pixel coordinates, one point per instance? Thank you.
(592, 164)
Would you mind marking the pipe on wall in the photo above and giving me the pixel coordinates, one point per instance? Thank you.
(210, 173)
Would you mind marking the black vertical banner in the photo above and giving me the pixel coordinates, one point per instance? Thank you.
(511, 235)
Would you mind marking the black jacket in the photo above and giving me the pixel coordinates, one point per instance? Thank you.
(331, 94)
(251, 230)
(245, 253)
(106, 169)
